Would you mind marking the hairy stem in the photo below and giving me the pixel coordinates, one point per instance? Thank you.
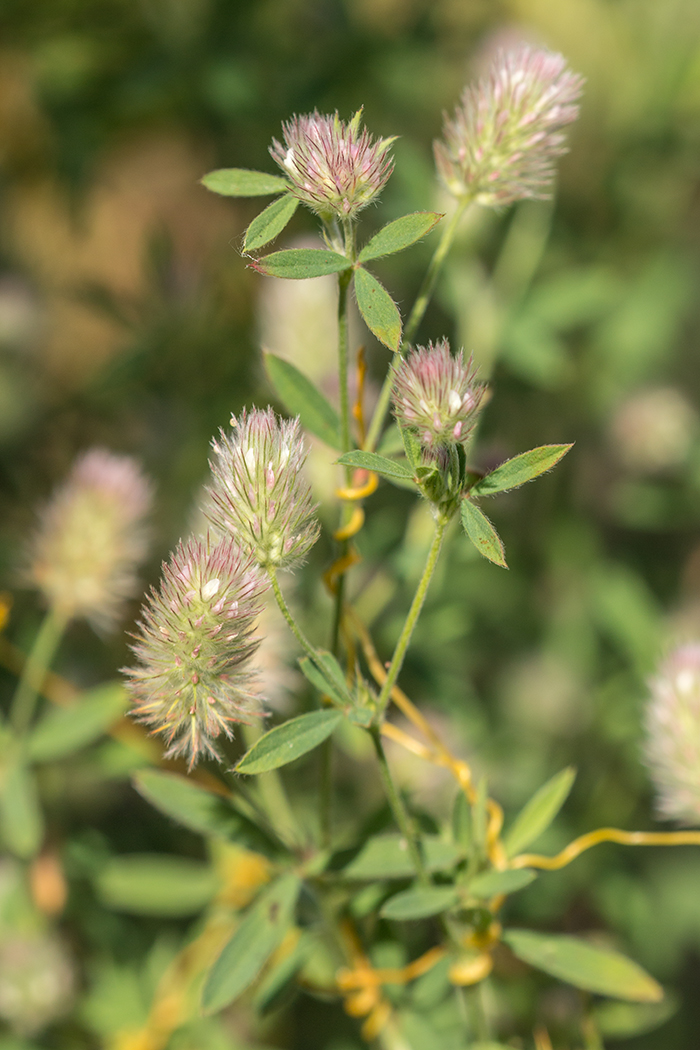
(38, 663)
(284, 609)
(413, 614)
(425, 294)
(399, 810)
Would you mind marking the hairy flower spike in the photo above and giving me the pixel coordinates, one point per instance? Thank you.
(672, 747)
(335, 168)
(501, 144)
(91, 538)
(259, 495)
(194, 640)
(436, 396)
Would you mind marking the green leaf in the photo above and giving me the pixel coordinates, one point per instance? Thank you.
(517, 471)
(299, 263)
(277, 982)
(537, 814)
(492, 883)
(399, 234)
(270, 222)
(301, 398)
(240, 182)
(62, 731)
(412, 448)
(482, 533)
(21, 819)
(326, 674)
(156, 884)
(388, 468)
(378, 309)
(626, 1020)
(259, 934)
(586, 966)
(387, 857)
(420, 904)
(200, 810)
(290, 741)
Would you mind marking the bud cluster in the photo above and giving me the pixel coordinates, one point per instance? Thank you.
(436, 395)
(194, 639)
(335, 168)
(259, 495)
(91, 538)
(673, 735)
(501, 144)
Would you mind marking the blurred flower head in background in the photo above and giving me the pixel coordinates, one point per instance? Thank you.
(502, 142)
(672, 747)
(37, 981)
(436, 395)
(259, 495)
(654, 430)
(335, 168)
(195, 638)
(91, 538)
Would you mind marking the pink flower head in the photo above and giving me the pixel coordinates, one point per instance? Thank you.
(91, 538)
(672, 748)
(260, 496)
(194, 640)
(335, 168)
(436, 396)
(502, 142)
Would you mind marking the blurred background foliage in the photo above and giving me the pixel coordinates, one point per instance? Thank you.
(128, 319)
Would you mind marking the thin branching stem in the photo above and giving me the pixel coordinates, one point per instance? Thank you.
(34, 671)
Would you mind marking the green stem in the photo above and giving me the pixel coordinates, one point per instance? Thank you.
(425, 294)
(413, 614)
(399, 810)
(284, 609)
(34, 672)
(274, 797)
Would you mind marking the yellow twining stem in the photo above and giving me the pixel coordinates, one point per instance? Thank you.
(542, 1040)
(593, 838)
(356, 522)
(365, 976)
(339, 568)
(357, 410)
(360, 491)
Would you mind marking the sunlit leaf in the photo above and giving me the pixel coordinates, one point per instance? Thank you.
(388, 468)
(399, 234)
(378, 309)
(270, 222)
(482, 533)
(520, 469)
(301, 398)
(539, 812)
(240, 182)
(259, 934)
(298, 264)
(289, 741)
(584, 965)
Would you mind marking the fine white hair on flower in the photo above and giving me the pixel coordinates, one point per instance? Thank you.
(335, 168)
(259, 495)
(672, 746)
(91, 538)
(502, 142)
(195, 640)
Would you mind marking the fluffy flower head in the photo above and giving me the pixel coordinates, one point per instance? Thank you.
(502, 142)
(335, 168)
(436, 396)
(259, 495)
(194, 642)
(672, 747)
(91, 538)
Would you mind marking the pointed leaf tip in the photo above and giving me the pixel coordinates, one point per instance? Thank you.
(482, 533)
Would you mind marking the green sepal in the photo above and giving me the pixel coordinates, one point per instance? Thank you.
(270, 222)
(289, 741)
(482, 533)
(156, 884)
(301, 398)
(261, 931)
(539, 812)
(298, 264)
(420, 903)
(586, 966)
(378, 309)
(521, 469)
(388, 468)
(399, 234)
(240, 182)
(65, 730)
